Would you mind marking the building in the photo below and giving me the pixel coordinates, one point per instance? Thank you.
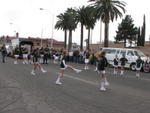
(38, 42)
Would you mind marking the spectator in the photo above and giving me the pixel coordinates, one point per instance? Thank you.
(4, 52)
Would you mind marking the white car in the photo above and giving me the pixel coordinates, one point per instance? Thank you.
(130, 54)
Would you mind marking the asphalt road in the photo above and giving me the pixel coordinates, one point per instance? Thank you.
(21, 92)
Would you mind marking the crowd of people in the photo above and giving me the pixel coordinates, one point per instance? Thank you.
(38, 56)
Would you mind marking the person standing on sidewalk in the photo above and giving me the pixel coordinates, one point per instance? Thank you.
(46, 55)
(139, 64)
(63, 67)
(4, 52)
(102, 63)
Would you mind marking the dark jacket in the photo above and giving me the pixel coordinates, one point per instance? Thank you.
(102, 63)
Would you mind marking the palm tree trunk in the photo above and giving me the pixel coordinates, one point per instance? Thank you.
(124, 42)
(65, 39)
(88, 41)
(81, 42)
(100, 32)
(106, 35)
(70, 40)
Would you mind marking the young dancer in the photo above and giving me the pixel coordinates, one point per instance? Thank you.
(25, 55)
(123, 62)
(16, 54)
(36, 63)
(102, 63)
(96, 60)
(42, 55)
(139, 64)
(86, 61)
(116, 61)
(56, 58)
(63, 67)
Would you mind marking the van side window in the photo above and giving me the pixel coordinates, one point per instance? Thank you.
(123, 52)
(130, 53)
(118, 51)
(139, 53)
(113, 51)
(107, 51)
(110, 51)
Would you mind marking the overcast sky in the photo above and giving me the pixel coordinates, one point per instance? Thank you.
(25, 17)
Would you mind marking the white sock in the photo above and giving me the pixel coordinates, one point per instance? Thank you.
(96, 69)
(121, 72)
(15, 62)
(75, 69)
(114, 72)
(137, 74)
(102, 84)
(42, 69)
(58, 79)
(33, 71)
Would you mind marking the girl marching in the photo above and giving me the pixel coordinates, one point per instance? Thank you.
(123, 62)
(116, 61)
(63, 67)
(102, 63)
(139, 64)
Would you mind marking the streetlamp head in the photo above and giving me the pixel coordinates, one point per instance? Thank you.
(41, 9)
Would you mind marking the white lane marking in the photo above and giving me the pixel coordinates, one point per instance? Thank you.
(83, 80)
(94, 83)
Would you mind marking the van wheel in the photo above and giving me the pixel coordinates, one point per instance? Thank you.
(133, 67)
(146, 68)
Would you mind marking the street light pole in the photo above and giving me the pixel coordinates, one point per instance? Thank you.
(41, 38)
(16, 27)
(52, 25)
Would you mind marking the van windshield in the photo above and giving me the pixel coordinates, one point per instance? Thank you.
(139, 53)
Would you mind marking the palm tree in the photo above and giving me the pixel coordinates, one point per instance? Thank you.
(71, 24)
(90, 21)
(62, 24)
(81, 17)
(108, 10)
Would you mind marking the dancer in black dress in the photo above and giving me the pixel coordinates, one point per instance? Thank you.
(102, 63)
(63, 67)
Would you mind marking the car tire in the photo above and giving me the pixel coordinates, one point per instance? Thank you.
(133, 66)
(146, 68)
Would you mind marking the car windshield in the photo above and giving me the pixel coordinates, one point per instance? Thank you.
(139, 53)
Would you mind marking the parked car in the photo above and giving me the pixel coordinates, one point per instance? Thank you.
(130, 54)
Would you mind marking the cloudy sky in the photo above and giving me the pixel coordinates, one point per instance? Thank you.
(25, 17)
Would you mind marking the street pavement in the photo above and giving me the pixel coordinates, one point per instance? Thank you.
(21, 92)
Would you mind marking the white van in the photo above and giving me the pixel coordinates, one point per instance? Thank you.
(130, 54)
